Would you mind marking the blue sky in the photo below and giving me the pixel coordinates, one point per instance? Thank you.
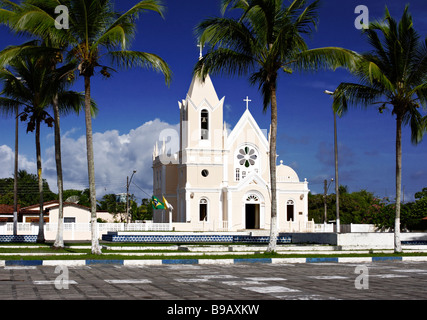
(136, 105)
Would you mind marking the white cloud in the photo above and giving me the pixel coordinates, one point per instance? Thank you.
(116, 156)
(7, 162)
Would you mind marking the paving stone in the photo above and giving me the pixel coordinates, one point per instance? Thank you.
(387, 280)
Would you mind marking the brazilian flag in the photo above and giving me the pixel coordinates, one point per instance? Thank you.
(157, 204)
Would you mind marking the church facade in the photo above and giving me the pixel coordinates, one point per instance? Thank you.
(220, 180)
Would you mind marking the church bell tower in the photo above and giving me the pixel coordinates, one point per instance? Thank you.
(201, 117)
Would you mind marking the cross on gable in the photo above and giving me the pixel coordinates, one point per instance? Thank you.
(247, 102)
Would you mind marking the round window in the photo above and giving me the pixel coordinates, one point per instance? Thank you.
(247, 157)
(205, 173)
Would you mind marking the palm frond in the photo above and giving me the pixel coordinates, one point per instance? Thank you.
(11, 52)
(233, 4)
(419, 65)
(113, 37)
(225, 33)
(326, 58)
(7, 11)
(128, 59)
(224, 61)
(265, 82)
(73, 102)
(421, 92)
(145, 5)
(417, 123)
(122, 30)
(37, 18)
(352, 94)
(8, 106)
(33, 83)
(308, 18)
(31, 48)
(376, 75)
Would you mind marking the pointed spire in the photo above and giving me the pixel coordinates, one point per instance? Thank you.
(202, 90)
(155, 151)
(164, 146)
(225, 132)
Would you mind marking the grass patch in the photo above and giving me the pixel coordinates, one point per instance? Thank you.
(160, 249)
(23, 244)
(42, 250)
(89, 256)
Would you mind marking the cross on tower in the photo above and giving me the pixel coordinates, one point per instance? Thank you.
(201, 51)
(247, 102)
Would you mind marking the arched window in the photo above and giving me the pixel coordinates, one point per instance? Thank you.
(204, 124)
(252, 198)
(203, 210)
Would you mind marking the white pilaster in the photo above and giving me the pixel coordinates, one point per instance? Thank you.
(229, 211)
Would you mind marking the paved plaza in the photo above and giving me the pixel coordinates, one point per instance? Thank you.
(254, 282)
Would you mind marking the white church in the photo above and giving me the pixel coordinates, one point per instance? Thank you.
(220, 181)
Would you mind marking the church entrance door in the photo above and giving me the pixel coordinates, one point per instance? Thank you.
(252, 216)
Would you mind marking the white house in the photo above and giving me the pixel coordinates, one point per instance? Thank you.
(73, 213)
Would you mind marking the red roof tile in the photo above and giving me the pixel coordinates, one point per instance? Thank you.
(6, 209)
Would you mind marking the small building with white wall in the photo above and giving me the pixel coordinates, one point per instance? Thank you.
(73, 213)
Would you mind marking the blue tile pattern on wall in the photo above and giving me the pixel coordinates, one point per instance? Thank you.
(191, 238)
(415, 242)
(18, 238)
(168, 238)
(260, 239)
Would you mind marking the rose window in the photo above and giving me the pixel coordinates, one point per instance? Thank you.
(247, 157)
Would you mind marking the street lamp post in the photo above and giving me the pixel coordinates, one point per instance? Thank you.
(337, 196)
(128, 181)
(326, 187)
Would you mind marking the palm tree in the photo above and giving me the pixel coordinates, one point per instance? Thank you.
(392, 74)
(266, 39)
(32, 84)
(10, 107)
(15, 175)
(63, 77)
(96, 31)
(23, 18)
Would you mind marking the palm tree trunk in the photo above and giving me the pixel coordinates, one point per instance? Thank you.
(40, 236)
(397, 243)
(15, 180)
(59, 241)
(273, 134)
(91, 168)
